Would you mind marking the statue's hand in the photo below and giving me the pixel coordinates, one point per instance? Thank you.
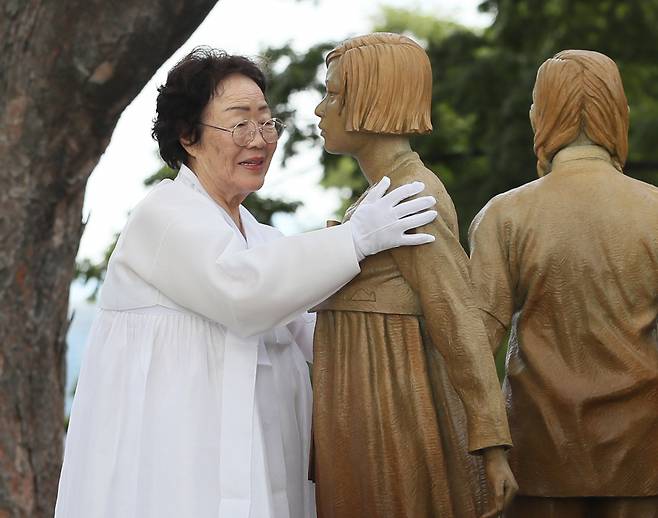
(502, 484)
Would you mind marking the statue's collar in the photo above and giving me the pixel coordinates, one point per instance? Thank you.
(571, 153)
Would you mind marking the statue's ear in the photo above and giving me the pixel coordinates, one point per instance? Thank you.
(531, 115)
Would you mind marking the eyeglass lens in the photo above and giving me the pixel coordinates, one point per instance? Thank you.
(245, 132)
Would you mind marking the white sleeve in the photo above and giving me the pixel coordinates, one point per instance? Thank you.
(196, 263)
(302, 329)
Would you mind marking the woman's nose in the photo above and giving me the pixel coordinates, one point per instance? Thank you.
(258, 141)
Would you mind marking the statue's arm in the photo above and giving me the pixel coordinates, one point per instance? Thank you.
(438, 273)
(491, 274)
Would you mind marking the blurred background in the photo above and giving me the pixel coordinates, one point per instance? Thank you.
(484, 57)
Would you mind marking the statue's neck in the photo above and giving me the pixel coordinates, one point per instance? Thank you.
(378, 155)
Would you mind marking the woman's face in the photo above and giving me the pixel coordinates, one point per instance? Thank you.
(223, 167)
(333, 116)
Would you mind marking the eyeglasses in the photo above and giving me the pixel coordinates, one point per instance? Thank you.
(244, 131)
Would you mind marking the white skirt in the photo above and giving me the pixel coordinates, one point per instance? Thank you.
(143, 438)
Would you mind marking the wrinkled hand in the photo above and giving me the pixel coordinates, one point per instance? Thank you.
(502, 484)
(381, 220)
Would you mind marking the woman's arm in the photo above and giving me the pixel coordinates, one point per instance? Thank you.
(199, 264)
(180, 245)
(302, 329)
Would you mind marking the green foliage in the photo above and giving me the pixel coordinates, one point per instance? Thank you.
(423, 27)
(264, 208)
(164, 173)
(288, 74)
(499, 358)
(502, 73)
(88, 270)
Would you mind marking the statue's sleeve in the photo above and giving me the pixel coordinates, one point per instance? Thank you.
(491, 273)
(438, 272)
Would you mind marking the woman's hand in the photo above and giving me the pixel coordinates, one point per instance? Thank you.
(502, 484)
(381, 220)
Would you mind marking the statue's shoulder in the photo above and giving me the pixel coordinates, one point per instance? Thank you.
(521, 195)
(413, 170)
(507, 207)
(643, 188)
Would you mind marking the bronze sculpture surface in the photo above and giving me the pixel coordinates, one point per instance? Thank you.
(404, 382)
(568, 265)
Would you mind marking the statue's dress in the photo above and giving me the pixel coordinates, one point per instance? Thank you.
(394, 352)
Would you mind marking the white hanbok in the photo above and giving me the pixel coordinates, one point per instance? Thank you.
(194, 397)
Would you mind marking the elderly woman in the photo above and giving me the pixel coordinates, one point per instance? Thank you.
(194, 397)
(404, 382)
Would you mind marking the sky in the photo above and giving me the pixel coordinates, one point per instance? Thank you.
(238, 27)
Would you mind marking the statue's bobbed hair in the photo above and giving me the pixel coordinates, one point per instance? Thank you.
(579, 92)
(386, 82)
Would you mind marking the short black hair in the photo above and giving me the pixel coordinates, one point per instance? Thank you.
(190, 85)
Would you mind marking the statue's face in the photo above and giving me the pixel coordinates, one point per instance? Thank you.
(332, 114)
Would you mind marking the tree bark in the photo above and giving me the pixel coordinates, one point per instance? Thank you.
(67, 70)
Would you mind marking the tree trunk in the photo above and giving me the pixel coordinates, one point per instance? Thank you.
(67, 70)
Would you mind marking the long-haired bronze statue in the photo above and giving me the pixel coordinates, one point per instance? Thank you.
(568, 266)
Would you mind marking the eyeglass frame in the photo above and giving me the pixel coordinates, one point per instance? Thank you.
(259, 128)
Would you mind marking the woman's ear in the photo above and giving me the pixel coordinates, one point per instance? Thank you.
(188, 144)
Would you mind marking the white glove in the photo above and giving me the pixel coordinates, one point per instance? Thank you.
(380, 221)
